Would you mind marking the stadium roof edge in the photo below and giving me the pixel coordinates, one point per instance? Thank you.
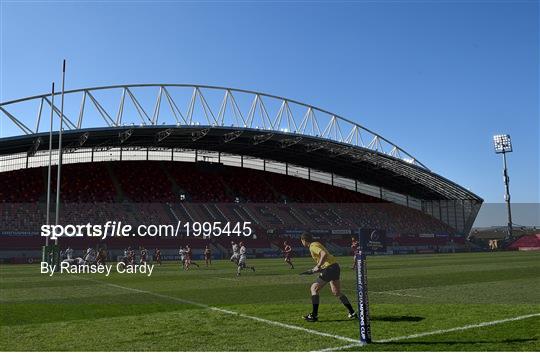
(376, 142)
(355, 162)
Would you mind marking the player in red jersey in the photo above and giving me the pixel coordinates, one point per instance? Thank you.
(355, 246)
(131, 256)
(157, 255)
(287, 251)
(101, 258)
(207, 255)
(189, 255)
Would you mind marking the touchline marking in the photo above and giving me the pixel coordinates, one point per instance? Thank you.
(462, 328)
(430, 333)
(229, 312)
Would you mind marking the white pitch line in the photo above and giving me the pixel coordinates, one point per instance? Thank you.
(462, 328)
(334, 349)
(390, 292)
(229, 312)
(431, 333)
(399, 294)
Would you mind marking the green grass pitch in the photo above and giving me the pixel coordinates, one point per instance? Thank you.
(175, 310)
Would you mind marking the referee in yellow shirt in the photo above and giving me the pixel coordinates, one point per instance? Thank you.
(329, 273)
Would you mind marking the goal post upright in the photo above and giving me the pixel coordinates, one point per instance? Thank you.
(362, 293)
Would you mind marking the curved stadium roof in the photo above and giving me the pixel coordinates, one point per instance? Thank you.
(227, 120)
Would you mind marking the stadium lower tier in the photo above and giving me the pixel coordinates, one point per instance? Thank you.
(24, 249)
(164, 193)
(20, 225)
(264, 217)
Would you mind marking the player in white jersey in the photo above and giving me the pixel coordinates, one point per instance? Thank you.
(125, 259)
(69, 253)
(242, 260)
(235, 254)
(70, 259)
(182, 254)
(90, 256)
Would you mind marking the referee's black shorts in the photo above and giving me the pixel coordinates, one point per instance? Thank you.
(331, 273)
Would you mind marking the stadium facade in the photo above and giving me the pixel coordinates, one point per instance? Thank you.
(230, 127)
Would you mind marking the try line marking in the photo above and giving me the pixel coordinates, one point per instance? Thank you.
(436, 332)
(390, 292)
(229, 312)
(395, 292)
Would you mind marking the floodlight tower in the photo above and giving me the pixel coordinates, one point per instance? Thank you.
(503, 144)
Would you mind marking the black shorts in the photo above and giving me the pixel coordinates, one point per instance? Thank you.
(331, 273)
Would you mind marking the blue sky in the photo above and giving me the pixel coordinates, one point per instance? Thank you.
(438, 78)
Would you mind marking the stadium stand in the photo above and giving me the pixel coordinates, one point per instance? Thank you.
(279, 207)
(526, 243)
(143, 182)
(85, 182)
(197, 183)
(27, 186)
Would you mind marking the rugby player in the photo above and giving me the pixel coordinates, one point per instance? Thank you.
(355, 247)
(235, 254)
(157, 256)
(69, 253)
(189, 255)
(70, 259)
(101, 258)
(125, 260)
(182, 254)
(242, 260)
(131, 256)
(287, 251)
(329, 273)
(144, 255)
(90, 256)
(207, 255)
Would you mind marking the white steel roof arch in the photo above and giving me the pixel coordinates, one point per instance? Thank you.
(301, 119)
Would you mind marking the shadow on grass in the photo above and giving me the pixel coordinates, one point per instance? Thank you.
(398, 318)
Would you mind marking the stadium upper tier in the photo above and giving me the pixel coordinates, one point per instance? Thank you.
(221, 119)
(156, 181)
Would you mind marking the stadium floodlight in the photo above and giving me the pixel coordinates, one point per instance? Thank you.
(230, 136)
(197, 135)
(124, 135)
(162, 135)
(34, 148)
(258, 139)
(503, 144)
(83, 138)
